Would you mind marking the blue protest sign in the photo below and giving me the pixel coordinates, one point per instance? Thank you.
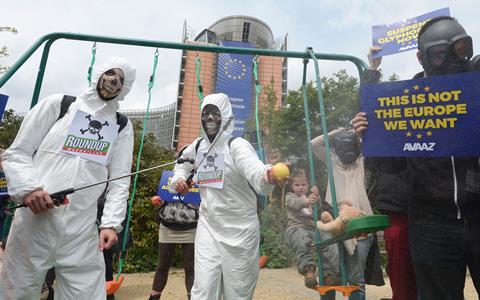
(192, 197)
(402, 36)
(3, 186)
(3, 104)
(433, 116)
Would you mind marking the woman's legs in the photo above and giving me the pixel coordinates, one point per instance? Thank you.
(165, 256)
(188, 251)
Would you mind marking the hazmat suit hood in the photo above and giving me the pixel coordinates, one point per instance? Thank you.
(129, 71)
(222, 102)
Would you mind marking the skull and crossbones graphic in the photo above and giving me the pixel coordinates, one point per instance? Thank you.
(210, 161)
(94, 127)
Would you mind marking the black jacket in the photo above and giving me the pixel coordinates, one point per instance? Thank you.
(392, 191)
(445, 188)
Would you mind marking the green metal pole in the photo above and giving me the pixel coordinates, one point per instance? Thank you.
(313, 180)
(52, 37)
(331, 180)
(41, 73)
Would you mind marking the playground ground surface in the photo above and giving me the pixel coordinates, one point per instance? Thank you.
(285, 284)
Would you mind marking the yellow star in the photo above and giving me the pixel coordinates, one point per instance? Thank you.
(409, 134)
(419, 136)
(426, 89)
(406, 91)
(416, 87)
(429, 133)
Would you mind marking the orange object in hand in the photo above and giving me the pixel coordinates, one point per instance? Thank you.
(262, 261)
(156, 200)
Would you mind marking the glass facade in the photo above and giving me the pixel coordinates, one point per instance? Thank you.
(242, 29)
(160, 122)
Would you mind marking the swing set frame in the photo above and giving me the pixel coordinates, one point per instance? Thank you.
(365, 225)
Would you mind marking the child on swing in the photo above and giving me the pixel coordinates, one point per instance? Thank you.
(301, 229)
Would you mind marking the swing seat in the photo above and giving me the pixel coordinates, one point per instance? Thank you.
(112, 286)
(345, 290)
(357, 226)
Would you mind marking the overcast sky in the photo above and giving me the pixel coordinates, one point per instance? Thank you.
(329, 26)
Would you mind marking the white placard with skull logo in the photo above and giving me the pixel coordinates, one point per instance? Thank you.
(211, 171)
(90, 137)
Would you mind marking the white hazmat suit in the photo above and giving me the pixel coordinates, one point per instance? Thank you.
(65, 237)
(227, 238)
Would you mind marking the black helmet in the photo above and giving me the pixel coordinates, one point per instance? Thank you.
(444, 46)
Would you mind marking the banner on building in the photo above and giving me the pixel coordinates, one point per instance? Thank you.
(234, 78)
(192, 197)
(402, 36)
(433, 116)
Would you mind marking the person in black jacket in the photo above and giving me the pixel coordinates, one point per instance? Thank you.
(444, 207)
(392, 198)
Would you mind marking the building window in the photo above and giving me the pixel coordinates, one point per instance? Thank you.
(245, 32)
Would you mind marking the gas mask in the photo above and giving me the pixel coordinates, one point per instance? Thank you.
(211, 120)
(445, 48)
(110, 84)
(346, 147)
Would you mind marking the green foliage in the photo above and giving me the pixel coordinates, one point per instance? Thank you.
(9, 127)
(142, 256)
(273, 245)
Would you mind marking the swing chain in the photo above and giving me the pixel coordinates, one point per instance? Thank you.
(198, 68)
(151, 82)
(255, 61)
(152, 77)
(92, 62)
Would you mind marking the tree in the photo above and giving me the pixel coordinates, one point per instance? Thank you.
(9, 127)
(4, 49)
(142, 256)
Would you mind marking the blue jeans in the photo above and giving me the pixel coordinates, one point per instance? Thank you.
(355, 265)
(441, 251)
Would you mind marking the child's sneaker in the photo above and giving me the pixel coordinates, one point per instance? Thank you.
(310, 278)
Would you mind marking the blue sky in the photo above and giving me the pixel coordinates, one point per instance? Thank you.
(329, 26)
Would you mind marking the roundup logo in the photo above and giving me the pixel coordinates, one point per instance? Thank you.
(84, 145)
(210, 177)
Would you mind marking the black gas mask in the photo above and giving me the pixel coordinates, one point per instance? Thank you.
(346, 146)
(211, 121)
(445, 48)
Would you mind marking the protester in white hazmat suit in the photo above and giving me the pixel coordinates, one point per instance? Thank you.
(227, 238)
(38, 163)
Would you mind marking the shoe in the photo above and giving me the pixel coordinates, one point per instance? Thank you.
(154, 297)
(310, 278)
(331, 280)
